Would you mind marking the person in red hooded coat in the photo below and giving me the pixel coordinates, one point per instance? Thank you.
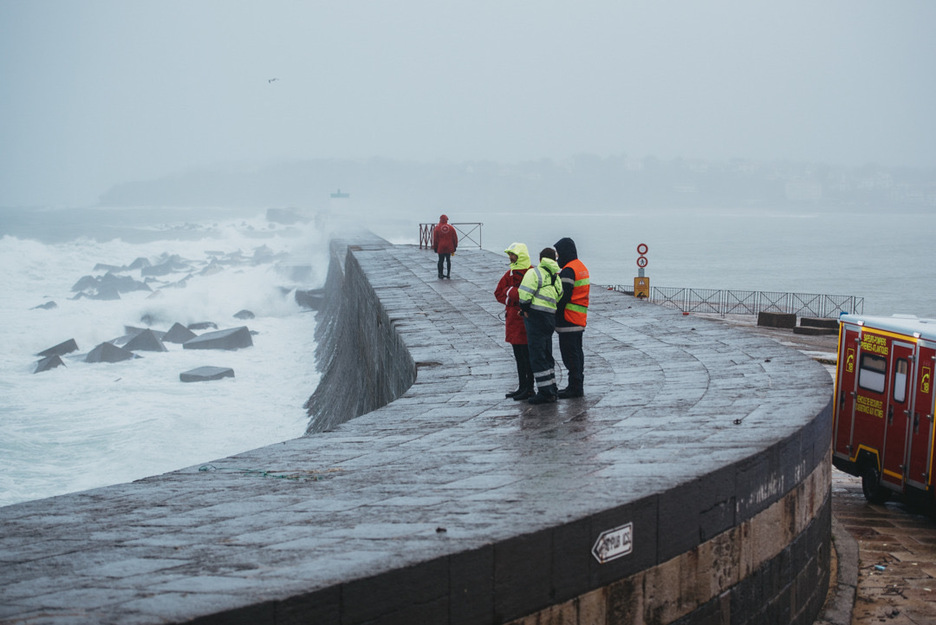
(444, 243)
(506, 293)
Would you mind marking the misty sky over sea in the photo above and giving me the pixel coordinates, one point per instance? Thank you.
(100, 92)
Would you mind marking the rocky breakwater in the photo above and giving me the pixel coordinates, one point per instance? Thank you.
(689, 485)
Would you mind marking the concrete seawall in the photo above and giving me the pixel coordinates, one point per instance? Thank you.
(363, 360)
(690, 485)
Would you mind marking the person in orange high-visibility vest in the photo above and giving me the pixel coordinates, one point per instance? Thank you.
(571, 314)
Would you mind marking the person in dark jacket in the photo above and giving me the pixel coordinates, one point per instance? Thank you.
(507, 293)
(444, 243)
(571, 314)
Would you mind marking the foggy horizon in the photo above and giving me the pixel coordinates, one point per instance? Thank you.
(101, 93)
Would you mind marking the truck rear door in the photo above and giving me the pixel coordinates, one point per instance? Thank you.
(897, 413)
(845, 386)
(920, 462)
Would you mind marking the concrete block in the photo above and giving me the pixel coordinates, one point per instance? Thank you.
(776, 320)
(812, 331)
(205, 374)
(146, 341)
(108, 352)
(49, 362)
(202, 325)
(65, 347)
(233, 338)
(829, 323)
(178, 333)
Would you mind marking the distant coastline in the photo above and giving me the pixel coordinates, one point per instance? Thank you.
(591, 182)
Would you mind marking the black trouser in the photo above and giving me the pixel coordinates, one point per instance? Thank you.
(570, 347)
(539, 328)
(447, 259)
(524, 373)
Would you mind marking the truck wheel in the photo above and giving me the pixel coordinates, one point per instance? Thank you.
(871, 485)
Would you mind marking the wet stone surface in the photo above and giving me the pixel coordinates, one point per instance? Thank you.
(896, 556)
(444, 485)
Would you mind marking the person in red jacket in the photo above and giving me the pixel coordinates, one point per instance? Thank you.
(506, 293)
(444, 243)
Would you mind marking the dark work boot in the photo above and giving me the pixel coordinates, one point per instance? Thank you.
(526, 393)
(542, 398)
(513, 393)
(571, 391)
(544, 395)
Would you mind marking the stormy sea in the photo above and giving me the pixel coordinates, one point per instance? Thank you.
(97, 276)
(87, 424)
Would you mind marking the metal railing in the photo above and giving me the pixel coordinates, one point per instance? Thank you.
(469, 234)
(726, 302)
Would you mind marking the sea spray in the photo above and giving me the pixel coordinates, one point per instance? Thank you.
(85, 425)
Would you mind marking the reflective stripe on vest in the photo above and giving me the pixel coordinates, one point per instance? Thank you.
(576, 311)
(538, 300)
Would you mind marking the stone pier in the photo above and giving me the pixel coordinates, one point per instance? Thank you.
(689, 485)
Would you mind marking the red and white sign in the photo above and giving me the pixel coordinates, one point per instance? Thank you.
(642, 258)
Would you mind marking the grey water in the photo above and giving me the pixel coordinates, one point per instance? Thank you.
(83, 426)
(887, 258)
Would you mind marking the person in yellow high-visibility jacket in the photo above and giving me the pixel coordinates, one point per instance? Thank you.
(539, 293)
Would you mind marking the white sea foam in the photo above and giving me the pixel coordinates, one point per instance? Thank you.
(86, 425)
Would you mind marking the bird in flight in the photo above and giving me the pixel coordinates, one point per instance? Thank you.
(272, 79)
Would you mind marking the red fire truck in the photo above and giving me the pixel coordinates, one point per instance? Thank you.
(883, 411)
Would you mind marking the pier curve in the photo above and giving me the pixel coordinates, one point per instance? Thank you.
(696, 468)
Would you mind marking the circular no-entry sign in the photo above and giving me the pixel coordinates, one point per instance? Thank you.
(642, 260)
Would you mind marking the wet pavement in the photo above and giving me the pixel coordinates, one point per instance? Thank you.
(449, 487)
(886, 552)
(896, 556)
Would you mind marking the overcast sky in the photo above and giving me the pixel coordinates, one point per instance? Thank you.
(98, 92)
